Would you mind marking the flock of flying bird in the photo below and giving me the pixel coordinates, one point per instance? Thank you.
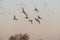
(26, 16)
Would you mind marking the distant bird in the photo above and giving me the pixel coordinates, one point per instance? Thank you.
(25, 13)
(14, 17)
(36, 9)
(39, 17)
(31, 21)
(37, 20)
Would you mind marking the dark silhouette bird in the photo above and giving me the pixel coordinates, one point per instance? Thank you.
(25, 13)
(14, 17)
(39, 17)
(36, 9)
(37, 20)
(31, 21)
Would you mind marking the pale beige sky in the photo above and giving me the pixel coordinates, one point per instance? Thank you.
(49, 29)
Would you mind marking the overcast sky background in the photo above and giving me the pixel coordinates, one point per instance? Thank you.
(49, 29)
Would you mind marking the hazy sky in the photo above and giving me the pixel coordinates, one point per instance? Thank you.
(49, 29)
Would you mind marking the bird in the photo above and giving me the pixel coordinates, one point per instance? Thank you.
(37, 20)
(31, 21)
(14, 17)
(25, 13)
(36, 9)
(39, 17)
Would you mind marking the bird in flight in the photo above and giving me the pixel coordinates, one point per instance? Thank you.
(25, 13)
(37, 20)
(31, 21)
(39, 17)
(14, 17)
(36, 9)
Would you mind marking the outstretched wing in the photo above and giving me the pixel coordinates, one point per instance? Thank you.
(37, 20)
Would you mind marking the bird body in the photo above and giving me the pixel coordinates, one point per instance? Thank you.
(39, 17)
(25, 13)
(36, 9)
(15, 17)
(37, 20)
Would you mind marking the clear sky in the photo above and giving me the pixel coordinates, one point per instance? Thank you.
(49, 29)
